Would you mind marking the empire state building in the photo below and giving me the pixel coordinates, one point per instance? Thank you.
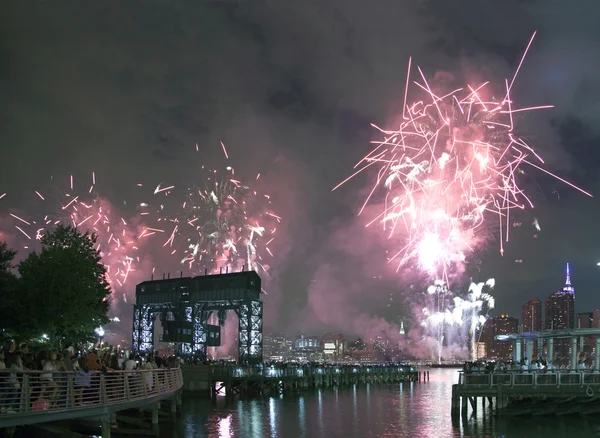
(560, 306)
(560, 312)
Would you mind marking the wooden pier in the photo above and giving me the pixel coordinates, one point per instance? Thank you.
(257, 380)
(528, 393)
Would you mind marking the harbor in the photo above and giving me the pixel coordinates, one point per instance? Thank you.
(404, 409)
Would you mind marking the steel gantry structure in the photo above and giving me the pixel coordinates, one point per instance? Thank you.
(185, 306)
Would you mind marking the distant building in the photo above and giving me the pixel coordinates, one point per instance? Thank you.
(364, 356)
(532, 315)
(385, 349)
(277, 347)
(307, 348)
(560, 313)
(304, 342)
(596, 319)
(501, 325)
(333, 347)
(585, 320)
(481, 349)
(531, 319)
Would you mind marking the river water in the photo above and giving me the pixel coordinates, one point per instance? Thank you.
(404, 410)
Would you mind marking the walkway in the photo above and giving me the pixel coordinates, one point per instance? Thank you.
(31, 399)
(507, 385)
(571, 336)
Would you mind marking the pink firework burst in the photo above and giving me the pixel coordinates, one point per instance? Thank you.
(452, 164)
(86, 210)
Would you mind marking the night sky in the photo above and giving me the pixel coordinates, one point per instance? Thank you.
(127, 88)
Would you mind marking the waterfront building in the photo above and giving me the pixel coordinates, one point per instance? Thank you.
(362, 356)
(531, 319)
(385, 350)
(333, 347)
(560, 313)
(596, 318)
(277, 347)
(585, 320)
(500, 325)
(307, 349)
(480, 349)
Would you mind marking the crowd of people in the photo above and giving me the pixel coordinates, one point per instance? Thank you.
(541, 364)
(48, 387)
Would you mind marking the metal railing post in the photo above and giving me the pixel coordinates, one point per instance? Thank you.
(70, 391)
(25, 394)
(144, 383)
(127, 389)
(102, 390)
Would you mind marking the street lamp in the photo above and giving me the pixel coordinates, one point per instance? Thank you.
(100, 332)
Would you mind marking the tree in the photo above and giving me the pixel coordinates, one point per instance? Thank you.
(65, 286)
(11, 306)
(7, 256)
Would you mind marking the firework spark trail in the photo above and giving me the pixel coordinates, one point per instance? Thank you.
(453, 162)
(116, 239)
(221, 222)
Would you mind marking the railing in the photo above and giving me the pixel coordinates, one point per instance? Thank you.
(531, 378)
(300, 371)
(31, 393)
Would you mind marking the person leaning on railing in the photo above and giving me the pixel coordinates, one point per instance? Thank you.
(13, 387)
(48, 386)
(3, 382)
(83, 383)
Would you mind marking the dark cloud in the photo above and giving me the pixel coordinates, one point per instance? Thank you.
(126, 89)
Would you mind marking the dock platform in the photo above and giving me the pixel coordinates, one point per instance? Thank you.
(533, 392)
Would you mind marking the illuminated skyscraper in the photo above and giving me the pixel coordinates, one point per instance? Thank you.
(501, 325)
(532, 315)
(560, 307)
(531, 318)
(560, 313)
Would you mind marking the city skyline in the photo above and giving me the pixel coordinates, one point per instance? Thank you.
(559, 310)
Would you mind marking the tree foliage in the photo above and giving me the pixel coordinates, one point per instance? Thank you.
(62, 290)
(7, 256)
(8, 284)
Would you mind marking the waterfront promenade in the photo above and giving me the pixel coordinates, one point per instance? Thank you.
(28, 397)
(546, 391)
(537, 390)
